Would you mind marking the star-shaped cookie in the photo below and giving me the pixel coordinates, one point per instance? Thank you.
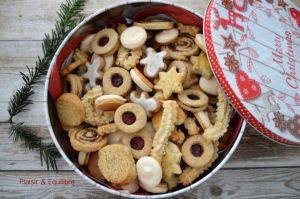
(170, 82)
(154, 62)
(229, 43)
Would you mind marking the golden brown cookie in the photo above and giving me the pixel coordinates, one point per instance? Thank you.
(107, 129)
(128, 59)
(70, 109)
(105, 42)
(117, 164)
(116, 81)
(130, 118)
(73, 84)
(109, 102)
(92, 117)
(192, 30)
(162, 135)
(191, 125)
(193, 98)
(155, 25)
(196, 151)
(220, 126)
(156, 118)
(87, 140)
(80, 59)
(140, 143)
(177, 136)
(190, 174)
(93, 166)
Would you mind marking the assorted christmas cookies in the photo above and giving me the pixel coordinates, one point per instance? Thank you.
(142, 108)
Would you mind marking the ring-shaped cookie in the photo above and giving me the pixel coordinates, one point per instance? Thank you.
(181, 67)
(192, 109)
(116, 81)
(130, 118)
(193, 98)
(74, 84)
(140, 143)
(196, 151)
(105, 42)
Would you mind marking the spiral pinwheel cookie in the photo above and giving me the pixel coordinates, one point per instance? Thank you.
(87, 140)
(182, 48)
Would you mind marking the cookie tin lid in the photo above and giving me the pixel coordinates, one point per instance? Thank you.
(254, 48)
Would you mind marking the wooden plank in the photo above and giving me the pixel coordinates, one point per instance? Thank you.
(14, 156)
(241, 183)
(15, 55)
(253, 151)
(30, 19)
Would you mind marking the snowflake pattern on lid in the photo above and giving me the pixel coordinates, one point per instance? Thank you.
(279, 120)
(231, 63)
(229, 43)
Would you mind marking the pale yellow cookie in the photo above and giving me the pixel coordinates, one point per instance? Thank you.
(155, 25)
(170, 82)
(191, 126)
(201, 65)
(216, 131)
(128, 58)
(161, 137)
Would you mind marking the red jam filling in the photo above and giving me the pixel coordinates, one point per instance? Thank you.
(193, 97)
(137, 143)
(116, 80)
(103, 41)
(128, 118)
(196, 150)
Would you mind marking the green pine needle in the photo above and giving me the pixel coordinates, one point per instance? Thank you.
(69, 16)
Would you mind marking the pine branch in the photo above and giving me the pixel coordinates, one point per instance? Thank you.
(48, 152)
(69, 16)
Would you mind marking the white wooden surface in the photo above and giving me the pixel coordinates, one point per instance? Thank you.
(258, 169)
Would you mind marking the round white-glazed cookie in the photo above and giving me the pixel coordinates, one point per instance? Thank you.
(133, 37)
(149, 171)
(209, 86)
(166, 36)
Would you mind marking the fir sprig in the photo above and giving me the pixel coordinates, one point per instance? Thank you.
(69, 16)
